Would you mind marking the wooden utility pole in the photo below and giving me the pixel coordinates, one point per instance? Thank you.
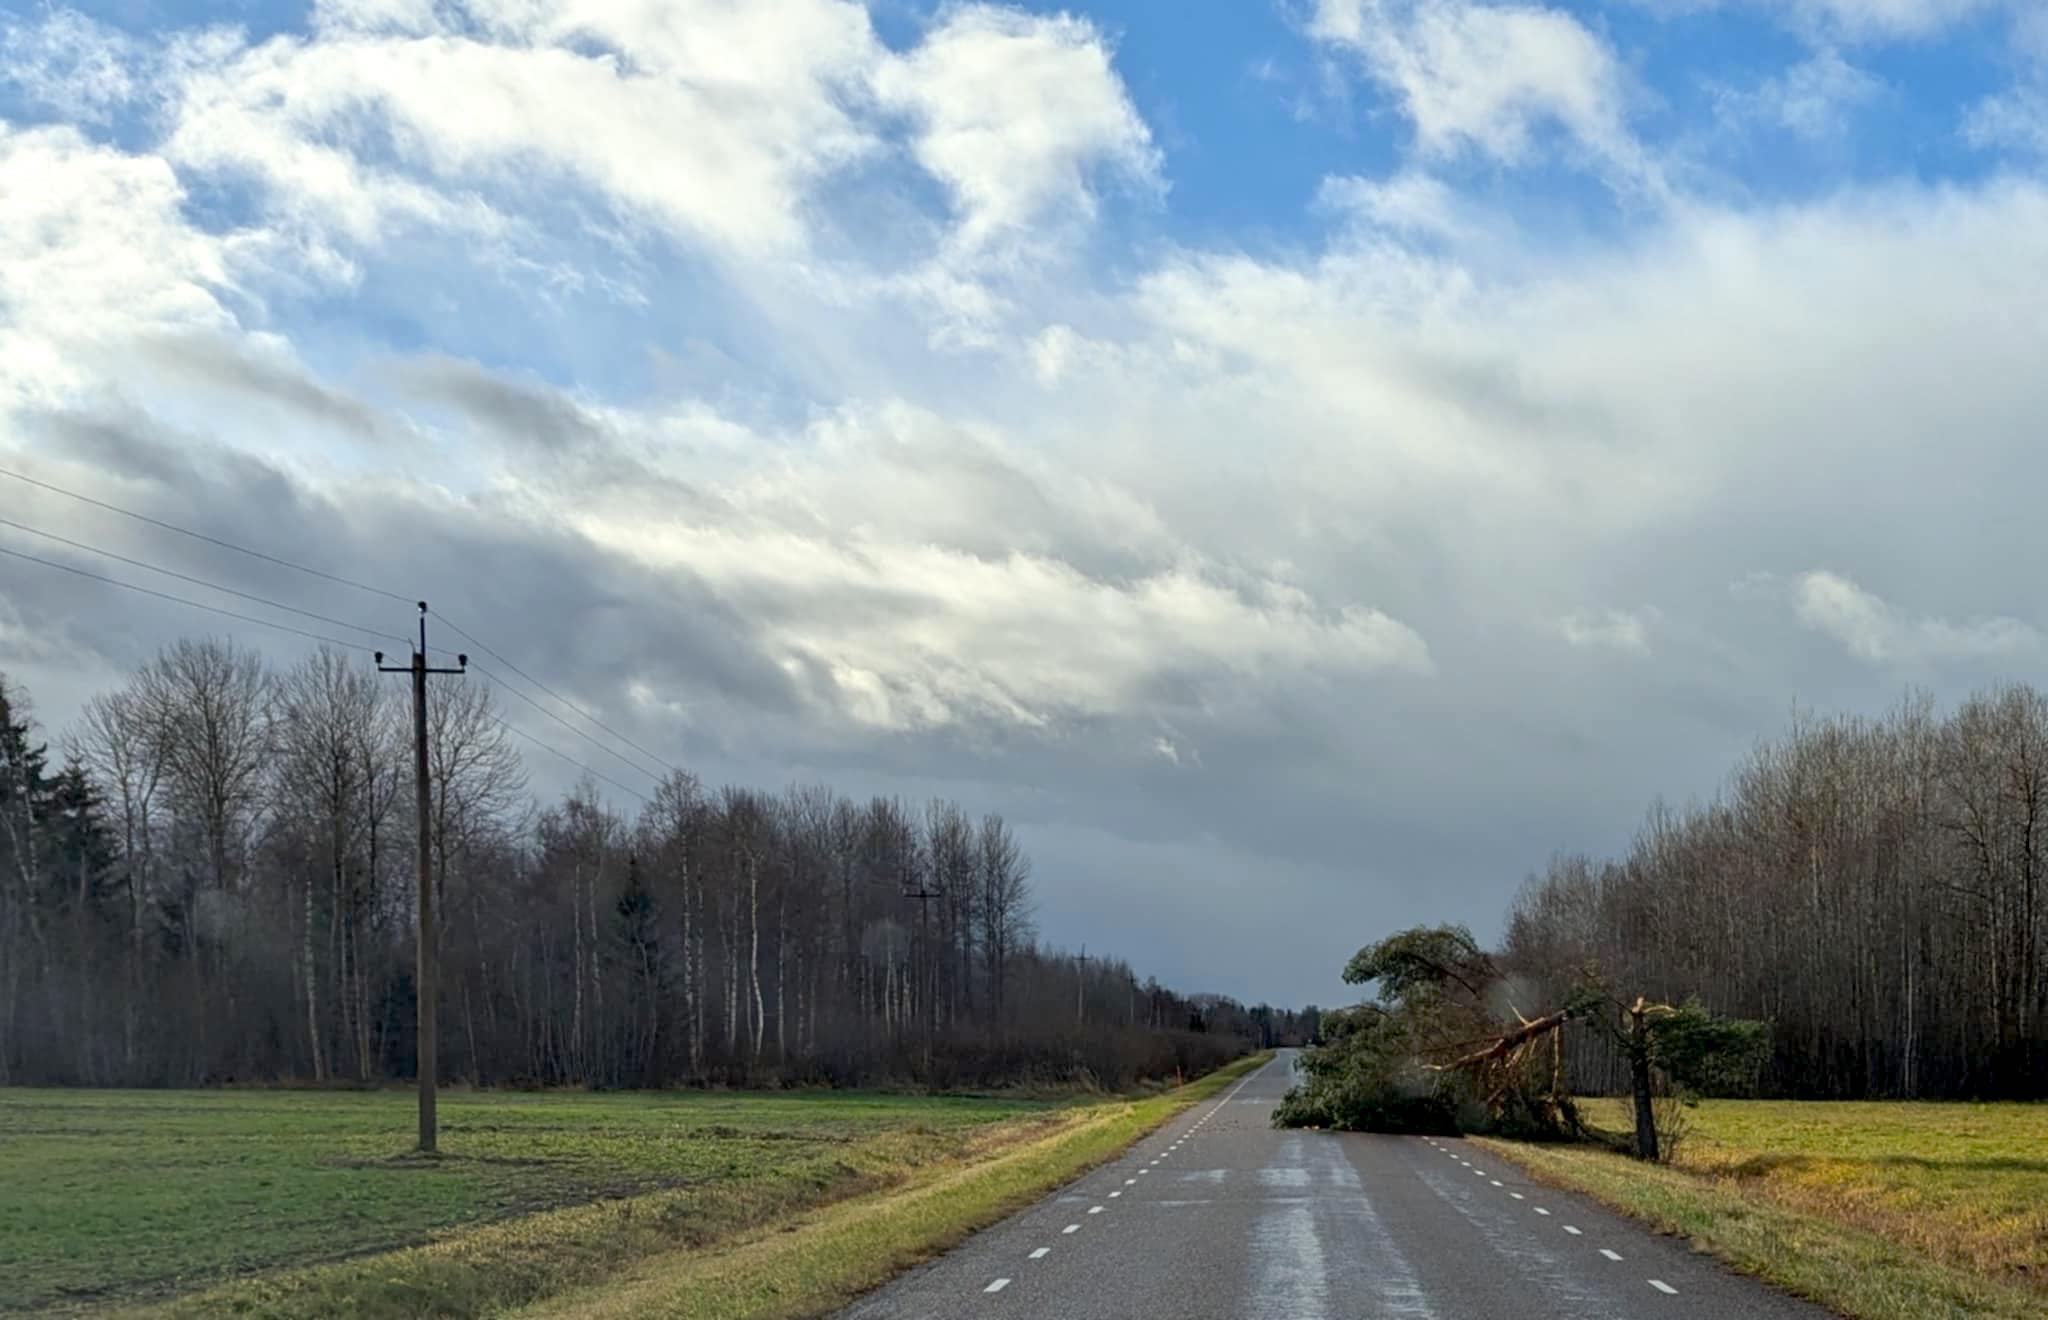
(924, 896)
(1081, 985)
(424, 975)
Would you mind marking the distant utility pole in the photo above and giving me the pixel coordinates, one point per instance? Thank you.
(1081, 985)
(424, 977)
(930, 991)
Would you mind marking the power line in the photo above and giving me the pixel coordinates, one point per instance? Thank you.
(202, 536)
(571, 760)
(199, 582)
(328, 577)
(564, 723)
(318, 637)
(180, 600)
(485, 648)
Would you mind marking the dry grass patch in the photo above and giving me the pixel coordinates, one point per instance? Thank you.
(1966, 1184)
(1880, 1210)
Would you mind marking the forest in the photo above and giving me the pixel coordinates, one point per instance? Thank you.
(1870, 888)
(210, 876)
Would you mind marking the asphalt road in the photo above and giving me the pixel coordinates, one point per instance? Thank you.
(1219, 1216)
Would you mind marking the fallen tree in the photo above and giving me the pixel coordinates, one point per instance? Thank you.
(1445, 1045)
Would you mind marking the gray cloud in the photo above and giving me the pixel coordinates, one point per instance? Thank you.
(518, 412)
(212, 360)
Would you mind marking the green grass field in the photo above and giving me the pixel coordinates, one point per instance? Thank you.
(126, 1194)
(1883, 1211)
(723, 1205)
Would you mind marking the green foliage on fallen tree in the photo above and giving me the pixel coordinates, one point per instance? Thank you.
(1366, 1076)
(1444, 1046)
(1706, 1054)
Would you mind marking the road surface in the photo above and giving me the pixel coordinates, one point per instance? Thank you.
(1219, 1217)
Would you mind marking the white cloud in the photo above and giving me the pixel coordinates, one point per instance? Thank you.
(926, 580)
(1412, 202)
(1891, 18)
(727, 129)
(1485, 77)
(1609, 630)
(1052, 350)
(2016, 120)
(94, 249)
(1014, 112)
(715, 121)
(1873, 630)
(1854, 20)
(70, 64)
(1813, 99)
(2030, 35)
(715, 126)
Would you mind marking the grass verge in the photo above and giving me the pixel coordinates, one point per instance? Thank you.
(892, 1168)
(821, 1260)
(1834, 1233)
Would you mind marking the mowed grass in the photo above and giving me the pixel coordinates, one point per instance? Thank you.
(113, 1196)
(1880, 1210)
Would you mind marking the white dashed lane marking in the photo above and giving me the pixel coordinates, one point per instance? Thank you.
(1094, 1209)
(1071, 1228)
(1495, 1181)
(1041, 1253)
(1130, 1182)
(1664, 1287)
(997, 1286)
(1573, 1231)
(1541, 1211)
(1517, 1195)
(1611, 1255)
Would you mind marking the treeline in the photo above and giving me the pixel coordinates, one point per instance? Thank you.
(1871, 888)
(218, 882)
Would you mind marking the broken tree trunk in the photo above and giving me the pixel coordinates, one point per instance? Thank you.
(1509, 1042)
(1639, 1076)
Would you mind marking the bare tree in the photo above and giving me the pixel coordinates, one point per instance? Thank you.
(1004, 878)
(330, 715)
(212, 704)
(124, 748)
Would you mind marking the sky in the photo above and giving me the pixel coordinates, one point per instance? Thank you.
(1304, 462)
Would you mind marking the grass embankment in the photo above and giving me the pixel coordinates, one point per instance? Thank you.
(296, 1203)
(819, 1261)
(1880, 1211)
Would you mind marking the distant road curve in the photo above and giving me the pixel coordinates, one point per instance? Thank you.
(1219, 1216)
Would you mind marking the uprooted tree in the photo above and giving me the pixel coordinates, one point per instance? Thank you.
(1446, 1044)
